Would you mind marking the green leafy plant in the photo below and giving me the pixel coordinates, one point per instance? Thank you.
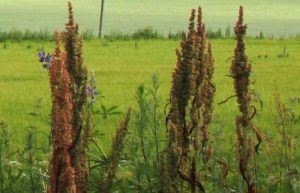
(147, 32)
(10, 171)
(105, 112)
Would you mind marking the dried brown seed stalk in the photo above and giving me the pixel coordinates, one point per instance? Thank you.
(192, 80)
(240, 71)
(78, 76)
(61, 171)
(180, 95)
(207, 94)
(80, 127)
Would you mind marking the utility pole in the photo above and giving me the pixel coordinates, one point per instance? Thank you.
(101, 19)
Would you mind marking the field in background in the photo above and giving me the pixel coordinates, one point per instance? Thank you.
(278, 17)
(120, 66)
(157, 151)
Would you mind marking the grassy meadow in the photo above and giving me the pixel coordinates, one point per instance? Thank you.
(53, 137)
(120, 66)
(273, 17)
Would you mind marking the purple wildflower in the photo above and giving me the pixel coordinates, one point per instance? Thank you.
(41, 54)
(91, 89)
(44, 59)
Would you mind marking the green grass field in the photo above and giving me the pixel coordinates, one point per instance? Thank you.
(120, 67)
(278, 17)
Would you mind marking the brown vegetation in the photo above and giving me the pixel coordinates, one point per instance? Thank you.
(192, 84)
(240, 71)
(62, 173)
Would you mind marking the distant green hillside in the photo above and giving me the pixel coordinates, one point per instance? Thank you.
(278, 17)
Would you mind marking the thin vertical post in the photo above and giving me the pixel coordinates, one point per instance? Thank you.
(101, 19)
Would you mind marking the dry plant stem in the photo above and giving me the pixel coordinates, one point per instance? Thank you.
(240, 70)
(173, 153)
(199, 63)
(207, 95)
(78, 77)
(191, 82)
(207, 92)
(180, 95)
(224, 173)
(282, 120)
(203, 94)
(69, 66)
(164, 172)
(193, 176)
(62, 173)
(185, 79)
(116, 153)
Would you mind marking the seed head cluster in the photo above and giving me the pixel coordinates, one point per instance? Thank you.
(191, 99)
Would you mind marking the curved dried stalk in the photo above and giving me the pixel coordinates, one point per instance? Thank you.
(240, 71)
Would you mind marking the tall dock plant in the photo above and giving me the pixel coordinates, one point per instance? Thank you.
(203, 92)
(61, 170)
(191, 99)
(240, 72)
(78, 76)
(76, 123)
(207, 93)
(180, 96)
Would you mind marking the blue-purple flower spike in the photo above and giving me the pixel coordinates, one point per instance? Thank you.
(91, 88)
(44, 59)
